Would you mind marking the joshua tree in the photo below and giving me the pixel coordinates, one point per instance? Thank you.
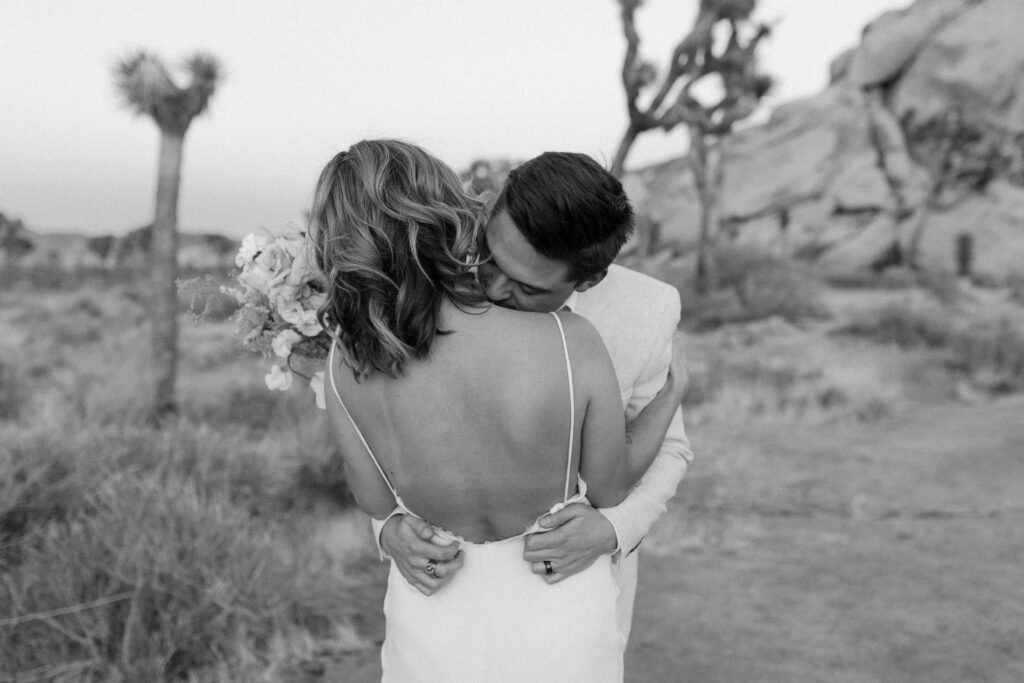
(148, 88)
(961, 156)
(700, 58)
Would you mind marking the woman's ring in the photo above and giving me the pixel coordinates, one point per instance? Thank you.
(431, 568)
(547, 567)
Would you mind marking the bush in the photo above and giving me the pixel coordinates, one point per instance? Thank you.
(131, 552)
(747, 284)
(988, 350)
(12, 391)
(992, 353)
(904, 325)
(144, 554)
(742, 382)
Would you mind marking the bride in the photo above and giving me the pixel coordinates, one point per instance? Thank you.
(473, 417)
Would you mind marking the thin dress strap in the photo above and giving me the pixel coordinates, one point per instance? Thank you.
(572, 407)
(359, 433)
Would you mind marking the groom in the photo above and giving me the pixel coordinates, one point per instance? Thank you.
(553, 233)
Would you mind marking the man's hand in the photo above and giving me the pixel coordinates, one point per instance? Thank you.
(579, 535)
(408, 540)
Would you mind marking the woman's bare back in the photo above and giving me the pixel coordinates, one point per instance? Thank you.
(475, 438)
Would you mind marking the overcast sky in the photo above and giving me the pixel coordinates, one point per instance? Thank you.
(464, 78)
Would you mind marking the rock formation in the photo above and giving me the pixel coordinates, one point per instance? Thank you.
(918, 139)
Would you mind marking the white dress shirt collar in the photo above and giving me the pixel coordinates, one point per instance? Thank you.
(570, 303)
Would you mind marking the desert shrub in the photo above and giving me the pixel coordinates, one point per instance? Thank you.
(944, 286)
(704, 382)
(317, 479)
(985, 348)
(889, 279)
(135, 551)
(159, 582)
(131, 552)
(13, 394)
(905, 325)
(748, 284)
(248, 405)
(738, 381)
(992, 353)
(1016, 285)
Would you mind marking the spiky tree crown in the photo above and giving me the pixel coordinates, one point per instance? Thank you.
(148, 88)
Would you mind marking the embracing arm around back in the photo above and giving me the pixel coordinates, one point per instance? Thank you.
(648, 500)
(602, 441)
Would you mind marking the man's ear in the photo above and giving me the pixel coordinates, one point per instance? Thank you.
(584, 285)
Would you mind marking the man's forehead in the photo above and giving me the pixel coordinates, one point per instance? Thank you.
(517, 258)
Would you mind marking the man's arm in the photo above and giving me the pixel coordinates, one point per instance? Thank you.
(635, 516)
(580, 533)
(645, 433)
(648, 500)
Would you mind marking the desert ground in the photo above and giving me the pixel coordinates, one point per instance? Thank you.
(854, 512)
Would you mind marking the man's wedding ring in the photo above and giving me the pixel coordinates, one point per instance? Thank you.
(547, 567)
(431, 568)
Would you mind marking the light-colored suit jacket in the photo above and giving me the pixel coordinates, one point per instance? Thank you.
(636, 317)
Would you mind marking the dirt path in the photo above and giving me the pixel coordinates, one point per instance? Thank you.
(884, 552)
(893, 552)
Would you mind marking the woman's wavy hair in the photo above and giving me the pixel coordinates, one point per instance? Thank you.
(392, 233)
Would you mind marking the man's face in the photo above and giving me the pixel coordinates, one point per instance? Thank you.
(518, 276)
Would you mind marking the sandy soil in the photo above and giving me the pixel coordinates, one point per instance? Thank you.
(843, 553)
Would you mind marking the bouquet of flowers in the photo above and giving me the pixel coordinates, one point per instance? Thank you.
(279, 293)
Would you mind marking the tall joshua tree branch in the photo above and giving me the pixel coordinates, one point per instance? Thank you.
(148, 88)
(696, 59)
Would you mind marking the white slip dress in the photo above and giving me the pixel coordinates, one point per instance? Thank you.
(496, 620)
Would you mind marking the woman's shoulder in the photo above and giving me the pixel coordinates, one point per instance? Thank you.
(586, 347)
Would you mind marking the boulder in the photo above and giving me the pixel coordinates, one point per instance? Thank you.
(861, 186)
(865, 250)
(995, 221)
(666, 195)
(778, 169)
(765, 233)
(818, 179)
(974, 64)
(890, 42)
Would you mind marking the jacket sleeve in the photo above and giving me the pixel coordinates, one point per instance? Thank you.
(648, 500)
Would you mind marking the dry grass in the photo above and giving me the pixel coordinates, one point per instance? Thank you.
(744, 285)
(987, 348)
(772, 372)
(130, 552)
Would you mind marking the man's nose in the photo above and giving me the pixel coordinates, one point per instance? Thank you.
(496, 285)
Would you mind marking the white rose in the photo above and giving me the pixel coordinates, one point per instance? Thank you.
(284, 341)
(317, 384)
(296, 279)
(278, 379)
(303, 319)
(252, 244)
(268, 270)
(315, 300)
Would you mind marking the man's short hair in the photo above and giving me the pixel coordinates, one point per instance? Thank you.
(569, 208)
